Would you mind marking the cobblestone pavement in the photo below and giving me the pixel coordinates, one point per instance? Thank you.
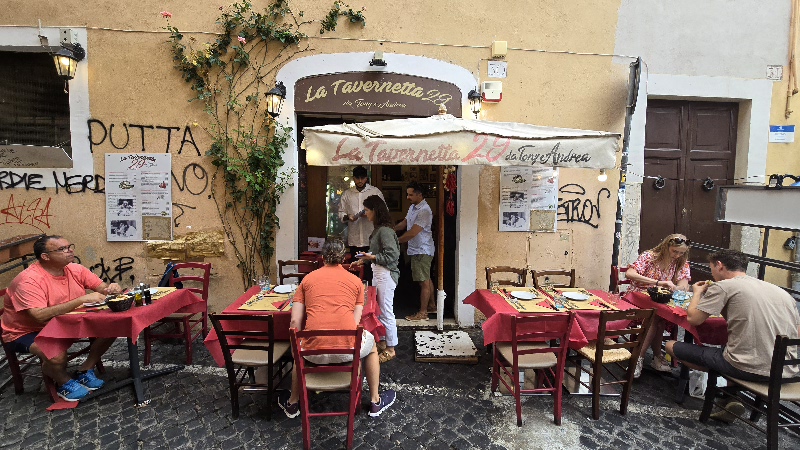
(439, 406)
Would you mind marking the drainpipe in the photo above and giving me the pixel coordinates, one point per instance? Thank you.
(796, 259)
(633, 92)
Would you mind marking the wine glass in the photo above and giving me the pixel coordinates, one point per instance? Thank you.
(263, 282)
(613, 298)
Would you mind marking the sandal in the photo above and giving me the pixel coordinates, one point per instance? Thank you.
(385, 356)
(418, 316)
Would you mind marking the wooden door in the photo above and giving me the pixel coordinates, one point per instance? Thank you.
(687, 143)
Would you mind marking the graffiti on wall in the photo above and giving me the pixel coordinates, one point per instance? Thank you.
(574, 206)
(181, 208)
(194, 179)
(114, 271)
(34, 212)
(71, 184)
(135, 137)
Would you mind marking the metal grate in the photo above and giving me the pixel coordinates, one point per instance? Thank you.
(34, 109)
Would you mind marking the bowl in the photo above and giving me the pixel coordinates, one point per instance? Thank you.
(121, 303)
(659, 295)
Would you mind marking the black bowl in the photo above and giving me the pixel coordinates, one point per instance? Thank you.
(659, 297)
(120, 304)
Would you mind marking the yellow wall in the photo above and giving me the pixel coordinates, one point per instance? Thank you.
(132, 81)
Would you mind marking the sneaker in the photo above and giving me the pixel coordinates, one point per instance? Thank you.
(89, 380)
(734, 410)
(291, 410)
(72, 391)
(638, 371)
(387, 398)
(660, 364)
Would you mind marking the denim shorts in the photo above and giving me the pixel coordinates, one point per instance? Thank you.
(23, 344)
(712, 359)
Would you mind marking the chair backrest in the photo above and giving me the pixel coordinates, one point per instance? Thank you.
(519, 277)
(779, 362)
(539, 275)
(542, 328)
(190, 275)
(305, 369)
(638, 322)
(355, 270)
(301, 268)
(236, 331)
(618, 278)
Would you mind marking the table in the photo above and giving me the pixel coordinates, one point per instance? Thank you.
(281, 319)
(61, 331)
(714, 331)
(497, 327)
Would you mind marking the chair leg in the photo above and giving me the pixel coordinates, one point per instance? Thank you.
(596, 379)
(234, 396)
(495, 372)
(16, 373)
(557, 397)
(147, 344)
(270, 387)
(773, 410)
(626, 389)
(187, 334)
(711, 394)
(517, 397)
(755, 414)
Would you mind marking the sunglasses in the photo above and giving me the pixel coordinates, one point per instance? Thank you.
(678, 241)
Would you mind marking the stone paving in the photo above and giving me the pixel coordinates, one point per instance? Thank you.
(439, 406)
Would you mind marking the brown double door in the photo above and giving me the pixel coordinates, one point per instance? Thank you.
(687, 144)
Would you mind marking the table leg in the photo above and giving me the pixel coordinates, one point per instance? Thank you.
(683, 378)
(136, 374)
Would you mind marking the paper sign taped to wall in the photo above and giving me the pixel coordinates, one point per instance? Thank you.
(156, 228)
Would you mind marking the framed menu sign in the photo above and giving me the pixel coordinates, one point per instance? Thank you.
(138, 197)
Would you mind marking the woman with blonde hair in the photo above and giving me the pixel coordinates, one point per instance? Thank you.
(665, 265)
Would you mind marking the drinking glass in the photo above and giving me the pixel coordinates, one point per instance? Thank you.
(263, 282)
(495, 287)
(613, 299)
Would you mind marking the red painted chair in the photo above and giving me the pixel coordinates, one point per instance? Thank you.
(302, 267)
(529, 350)
(618, 278)
(185, 326)
(328, 378)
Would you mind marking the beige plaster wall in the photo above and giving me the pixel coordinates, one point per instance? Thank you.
(132, 81)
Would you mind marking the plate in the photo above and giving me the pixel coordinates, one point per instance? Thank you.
(522, 295)
(283, 289)
(681, 296)
(153, 291)
(577, 296)
(89, 305)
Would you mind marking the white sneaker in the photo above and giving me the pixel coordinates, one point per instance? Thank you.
(660, 364)
(638, 371)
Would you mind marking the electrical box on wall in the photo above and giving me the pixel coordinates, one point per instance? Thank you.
(492, 91)
(69, 37)
(499, 49)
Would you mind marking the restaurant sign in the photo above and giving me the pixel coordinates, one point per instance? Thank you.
(377, 93)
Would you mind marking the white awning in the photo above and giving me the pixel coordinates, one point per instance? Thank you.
(447, 140)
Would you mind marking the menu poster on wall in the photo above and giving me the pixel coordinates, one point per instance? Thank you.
(138, 197)
(515, 184)
(544, 189)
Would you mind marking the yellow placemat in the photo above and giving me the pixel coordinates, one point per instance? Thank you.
(580, 305)
(526, 306)
(520, 289)
(162, 291)
(264, 302)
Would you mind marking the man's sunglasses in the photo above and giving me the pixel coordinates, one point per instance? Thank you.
(64, 249)
(678, 241)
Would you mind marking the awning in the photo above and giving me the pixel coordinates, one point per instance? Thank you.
(447, 140)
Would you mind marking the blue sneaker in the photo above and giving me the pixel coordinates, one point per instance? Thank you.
(387, 398)
(89, 380)
(72, 391)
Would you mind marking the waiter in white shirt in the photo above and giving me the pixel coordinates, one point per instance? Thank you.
(351, 212)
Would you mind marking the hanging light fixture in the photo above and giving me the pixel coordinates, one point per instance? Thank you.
(67, 59)
(603, 175)
(275, 98)
(474, 102)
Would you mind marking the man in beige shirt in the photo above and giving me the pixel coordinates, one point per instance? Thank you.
(756, 312)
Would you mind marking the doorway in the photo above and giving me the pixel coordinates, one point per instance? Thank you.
(319, 189)
(690, 150)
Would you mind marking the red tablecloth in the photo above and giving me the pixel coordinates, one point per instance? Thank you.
(369, 319)
(61, 331)
(498, 312)
(714, 331)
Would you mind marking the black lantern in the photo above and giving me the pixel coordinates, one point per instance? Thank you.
(474, 102)
(275, 98)
(67, 59)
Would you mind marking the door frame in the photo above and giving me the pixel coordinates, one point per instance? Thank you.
(754, 98)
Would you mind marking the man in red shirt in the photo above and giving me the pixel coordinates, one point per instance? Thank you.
(52, 286)
(331, 298)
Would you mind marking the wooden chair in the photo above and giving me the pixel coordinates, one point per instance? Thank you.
(519, 277)
(248, 343)
(22, 365)
(355, 270)
(618, 278)
(607, 350)
(328, 378)
(538, 274)
(185, 326)
(766, 397)
(529, 350)
(302, 268)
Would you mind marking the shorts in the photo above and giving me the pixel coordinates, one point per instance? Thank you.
(712, 359)
(367, 342)
(23, 344)
(421, 267)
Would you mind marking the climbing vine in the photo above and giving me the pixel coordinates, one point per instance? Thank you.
(231, 76)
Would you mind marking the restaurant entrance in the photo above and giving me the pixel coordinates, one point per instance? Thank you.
(321, 187)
